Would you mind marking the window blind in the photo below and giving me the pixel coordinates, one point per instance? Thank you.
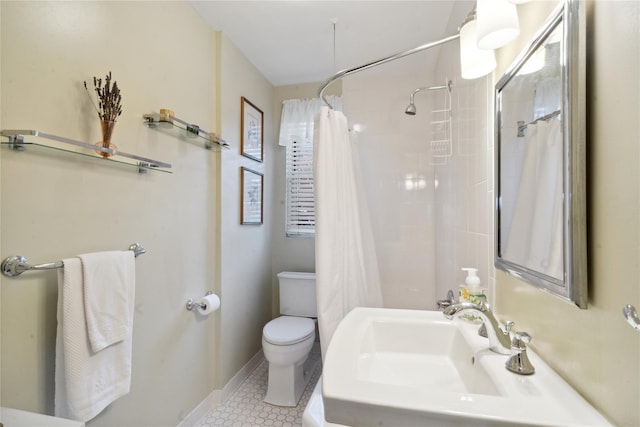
(300, 202)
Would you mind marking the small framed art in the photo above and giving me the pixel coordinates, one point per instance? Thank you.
(251, 200)
(252, 125)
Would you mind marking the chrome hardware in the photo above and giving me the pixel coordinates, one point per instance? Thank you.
(629, 312)
(499, 340)
(519, 362)
(444, 303)
(191, 303)
(16, 265)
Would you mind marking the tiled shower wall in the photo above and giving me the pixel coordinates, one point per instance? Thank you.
(431, 216)
(398, 177)
(464, 195)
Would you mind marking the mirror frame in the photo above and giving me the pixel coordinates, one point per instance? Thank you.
(573, 287)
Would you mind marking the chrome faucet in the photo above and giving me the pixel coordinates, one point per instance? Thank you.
(499, 339)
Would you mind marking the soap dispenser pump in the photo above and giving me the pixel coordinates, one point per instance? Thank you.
(472, 279)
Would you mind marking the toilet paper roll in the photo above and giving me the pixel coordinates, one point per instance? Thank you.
(208, 304)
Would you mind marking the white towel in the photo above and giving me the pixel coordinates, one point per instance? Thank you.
(86, 381)
(109, 286)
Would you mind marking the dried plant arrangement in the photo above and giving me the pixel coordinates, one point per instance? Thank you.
(109, 108)
(109, 99)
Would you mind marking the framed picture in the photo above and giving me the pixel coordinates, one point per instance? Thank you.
(252, 185)
(252, 125)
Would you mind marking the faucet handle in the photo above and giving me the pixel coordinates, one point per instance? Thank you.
(451, 297)
(449, 301)
(519, 361)
(508, 326)
(519, 341)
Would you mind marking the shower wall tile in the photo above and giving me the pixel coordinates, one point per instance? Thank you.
(464, 197)
(395, 155)
(482, 214)
(430, 218)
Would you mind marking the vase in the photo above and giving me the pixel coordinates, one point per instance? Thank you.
(107, 130)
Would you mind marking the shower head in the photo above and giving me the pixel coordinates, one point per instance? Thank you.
(411, 109)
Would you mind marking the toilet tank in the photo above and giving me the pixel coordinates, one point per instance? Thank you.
(298, 294)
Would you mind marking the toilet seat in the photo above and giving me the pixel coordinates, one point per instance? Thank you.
(288, 330)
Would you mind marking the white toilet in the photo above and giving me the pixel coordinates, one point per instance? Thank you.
(288, 339)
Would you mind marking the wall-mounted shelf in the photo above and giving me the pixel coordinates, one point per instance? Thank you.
(17, 142)
(165, 119)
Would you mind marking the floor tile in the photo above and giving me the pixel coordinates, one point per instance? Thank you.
(245, 407)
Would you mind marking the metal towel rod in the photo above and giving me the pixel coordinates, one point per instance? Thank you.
(16, 265)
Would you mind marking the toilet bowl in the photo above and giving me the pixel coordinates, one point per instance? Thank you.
(288, 339)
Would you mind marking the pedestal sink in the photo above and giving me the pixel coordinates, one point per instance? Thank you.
(388, 367)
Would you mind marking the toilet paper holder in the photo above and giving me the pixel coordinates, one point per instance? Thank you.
(191, 303)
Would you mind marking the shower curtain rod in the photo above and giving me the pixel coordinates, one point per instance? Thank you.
(398, 55)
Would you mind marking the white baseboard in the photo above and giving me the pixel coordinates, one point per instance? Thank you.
(241, 375)
(218, 397)
(210, 402)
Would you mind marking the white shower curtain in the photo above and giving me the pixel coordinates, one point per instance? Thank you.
(346, 265)
(535, 237)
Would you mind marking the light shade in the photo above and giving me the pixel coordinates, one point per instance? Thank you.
(497, 23)
(474, 62)
(519, 1)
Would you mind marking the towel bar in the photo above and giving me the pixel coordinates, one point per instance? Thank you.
(16, 265)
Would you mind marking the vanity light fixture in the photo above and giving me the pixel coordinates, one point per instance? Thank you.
(497, 23)
(474, 62)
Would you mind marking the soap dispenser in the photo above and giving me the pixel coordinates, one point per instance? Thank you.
(474, 290)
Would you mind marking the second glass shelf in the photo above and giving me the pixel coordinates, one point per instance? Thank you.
(167, 121)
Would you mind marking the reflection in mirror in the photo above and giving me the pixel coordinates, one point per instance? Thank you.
(531, 184)
(540, 197)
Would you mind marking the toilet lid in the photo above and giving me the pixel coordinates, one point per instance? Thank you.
(286, 330)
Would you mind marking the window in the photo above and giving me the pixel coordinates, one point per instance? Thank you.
(296, 134)
(300, 203)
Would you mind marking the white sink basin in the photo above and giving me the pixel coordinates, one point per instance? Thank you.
(388, 367)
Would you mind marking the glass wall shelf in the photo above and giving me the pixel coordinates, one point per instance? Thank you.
(142, 164)
(166, 120)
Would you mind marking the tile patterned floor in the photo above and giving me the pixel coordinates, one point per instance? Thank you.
(245, 407)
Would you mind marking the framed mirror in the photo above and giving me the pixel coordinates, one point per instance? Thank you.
(540, 196)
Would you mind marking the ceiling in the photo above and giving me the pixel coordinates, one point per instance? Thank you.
(292, 41)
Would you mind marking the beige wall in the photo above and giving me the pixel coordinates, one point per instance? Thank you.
(246, 250)
(594, 349)
(57, 205)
